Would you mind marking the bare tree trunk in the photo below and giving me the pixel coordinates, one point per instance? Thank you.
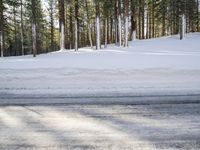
(116, 22)
(197, 15)
(106, 31)
(133, 21)
(153, 19)
(97, 25)
(22, 29)
(1, 28)
(143, 18)
(34, 37)
(62, 24)
(182, 27)
(119, 23)
(126, 22)
(52, 24)
(76, 26)
(163, 20)
(1, 43)
(15, 31)
(89, 25)
(90, 36)
(71, 29)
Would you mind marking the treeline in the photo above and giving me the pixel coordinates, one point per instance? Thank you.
(41, 26)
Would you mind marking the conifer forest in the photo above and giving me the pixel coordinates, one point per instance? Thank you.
(42, 26)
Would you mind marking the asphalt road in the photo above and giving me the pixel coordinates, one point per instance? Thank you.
(167, 126)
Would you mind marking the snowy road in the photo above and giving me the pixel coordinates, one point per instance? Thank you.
(148, 127)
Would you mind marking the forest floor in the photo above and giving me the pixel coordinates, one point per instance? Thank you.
(146, 96)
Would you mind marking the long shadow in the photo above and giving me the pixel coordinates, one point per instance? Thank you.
(156, 135)
(112, 120)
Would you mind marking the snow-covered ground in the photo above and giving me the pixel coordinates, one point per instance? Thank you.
(167, 52)
(164, 66)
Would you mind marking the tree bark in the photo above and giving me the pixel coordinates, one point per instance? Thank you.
(105, 31)
(1, 28)
(89, 25)
(52, 24)
(153, 19)
(34, 37)
(22, 29)
(182, 26)
(62, 24)
(133, 21)
(76, 26)
(119, 23)
(97, 25)
(1, 42)
(198, 16)
(126, 22)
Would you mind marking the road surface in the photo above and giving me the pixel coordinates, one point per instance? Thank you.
(154, 126)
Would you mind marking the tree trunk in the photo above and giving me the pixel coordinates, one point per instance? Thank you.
(52, 24)
(1, 42)
(71, 29)
(62, 24)
(143, 18)
(133, 21)
(97, 25)
(126, 22)
(105, 31)
(89, 25)
(116, 22)
(182, 26)
(163, 19)
(22, 29)
(198, 16)
(34, 37)
(1, 28)
(153, 19)
(76, 26)
(119, 23)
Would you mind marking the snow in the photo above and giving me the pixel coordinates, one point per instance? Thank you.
(163, 69)
(162, 66)
(168, 52)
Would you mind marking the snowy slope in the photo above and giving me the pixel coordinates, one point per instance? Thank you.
(163, 66)
(167, 52)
